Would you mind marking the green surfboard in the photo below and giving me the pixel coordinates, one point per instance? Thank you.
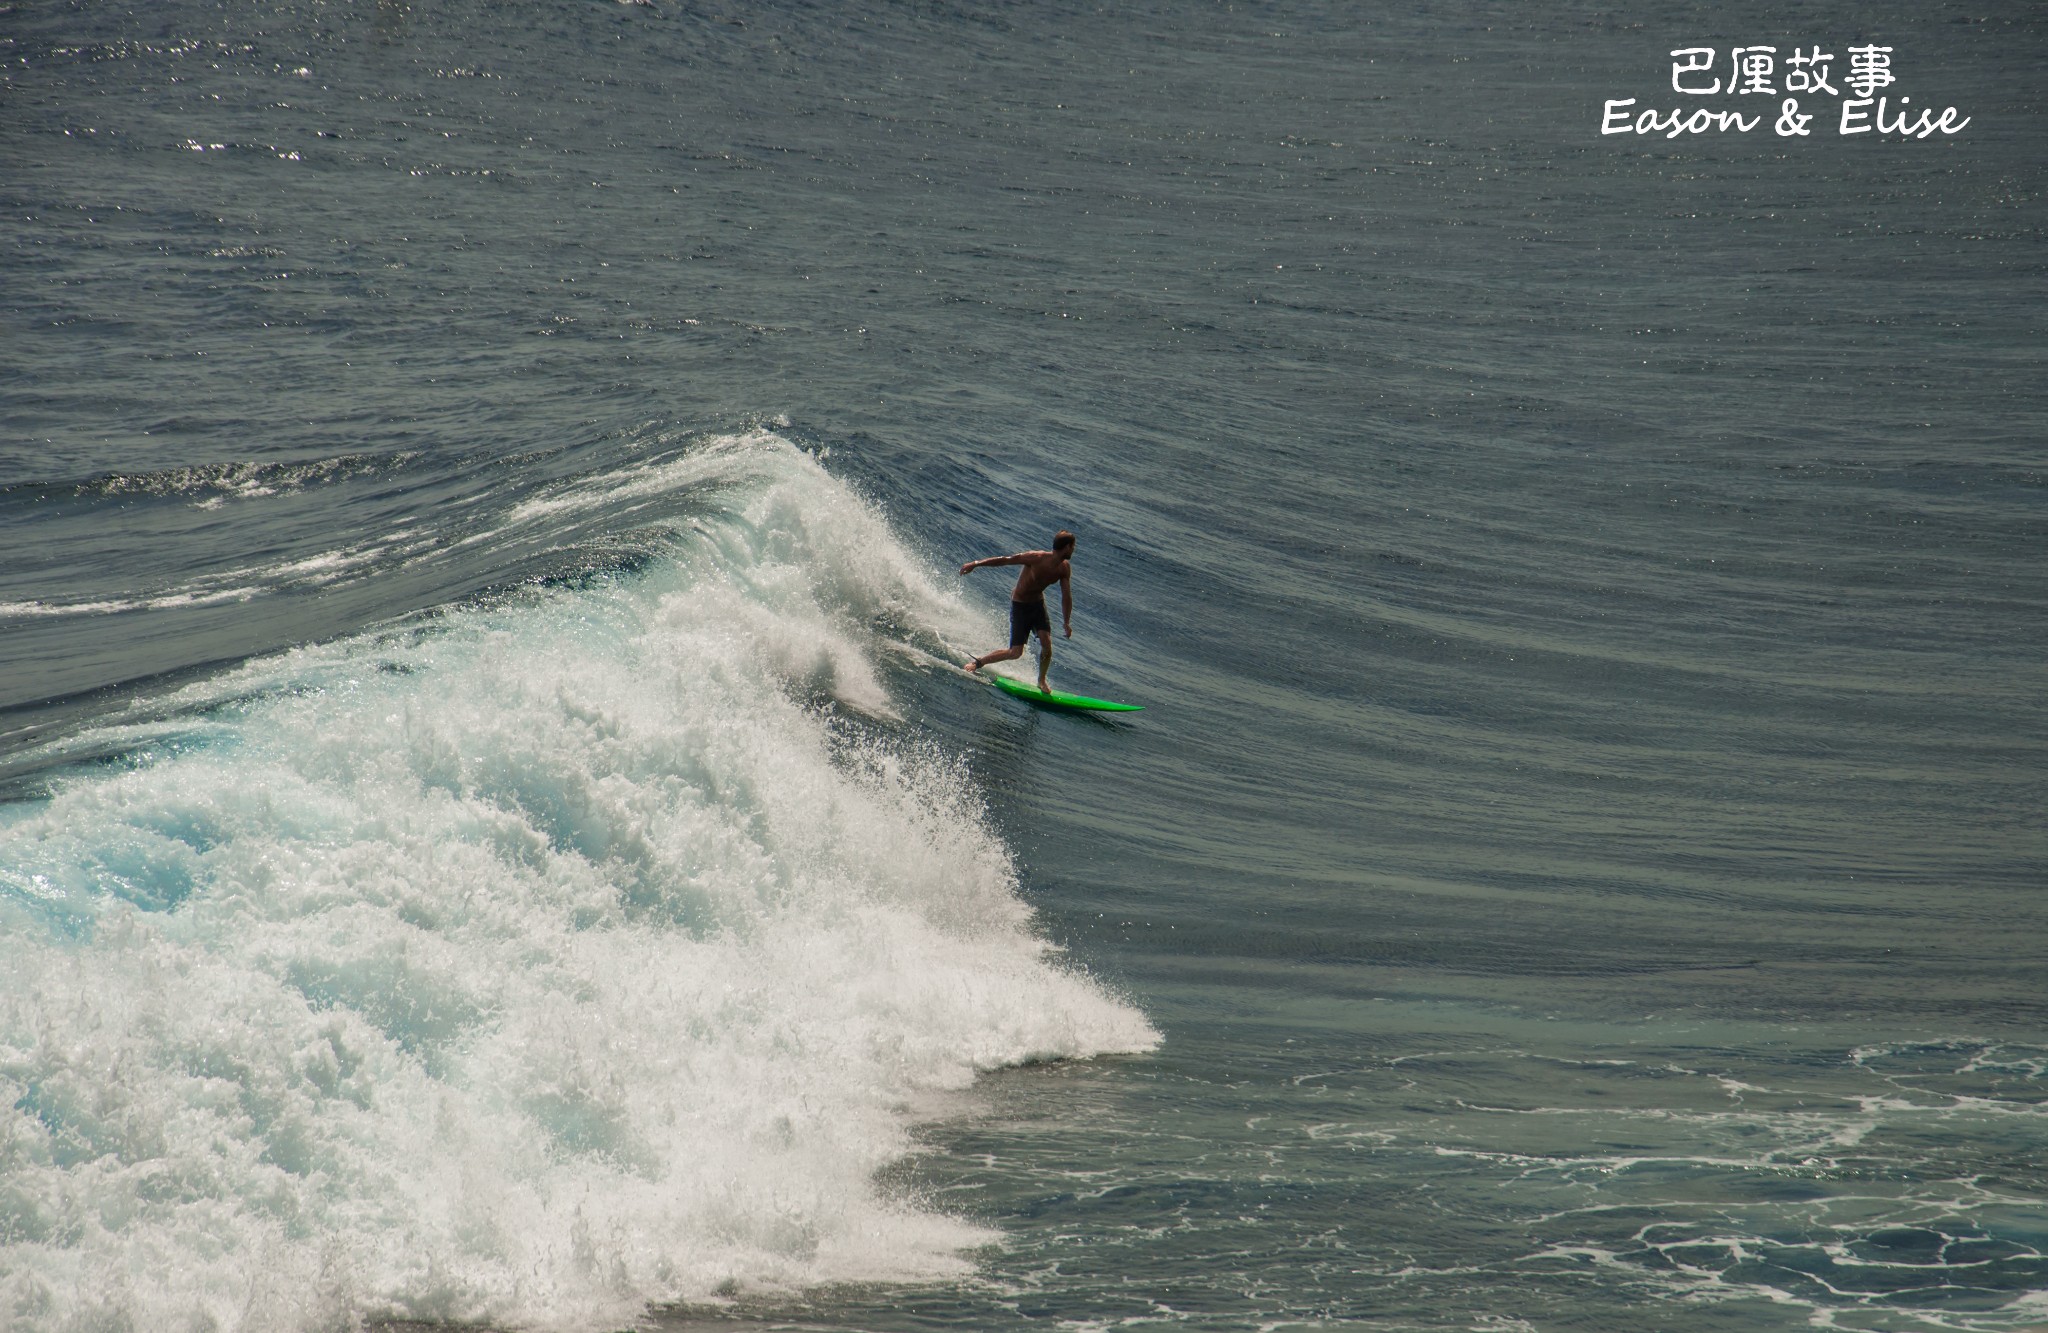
(1025, 690)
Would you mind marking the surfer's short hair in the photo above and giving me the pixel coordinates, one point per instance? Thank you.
(1063, 540)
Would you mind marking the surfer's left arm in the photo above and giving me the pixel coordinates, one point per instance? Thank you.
(973, 565)
(1067, 600)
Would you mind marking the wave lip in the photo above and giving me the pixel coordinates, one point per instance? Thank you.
(550, 964)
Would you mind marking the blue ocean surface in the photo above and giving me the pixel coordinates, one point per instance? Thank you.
(493, 833)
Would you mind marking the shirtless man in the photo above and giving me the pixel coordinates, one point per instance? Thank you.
(1041, 570)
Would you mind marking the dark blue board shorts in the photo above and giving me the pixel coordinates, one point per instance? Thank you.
(1026, 617)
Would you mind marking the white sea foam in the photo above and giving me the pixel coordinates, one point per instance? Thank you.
(575, 964)
(175, 599)
(234, 585)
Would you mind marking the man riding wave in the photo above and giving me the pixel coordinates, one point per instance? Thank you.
(1041, 569)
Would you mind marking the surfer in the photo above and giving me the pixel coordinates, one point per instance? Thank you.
(1041, 570)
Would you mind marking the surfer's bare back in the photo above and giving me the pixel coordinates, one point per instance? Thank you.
(1041, 569)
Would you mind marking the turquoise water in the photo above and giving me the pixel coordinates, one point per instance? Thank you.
(493, 836)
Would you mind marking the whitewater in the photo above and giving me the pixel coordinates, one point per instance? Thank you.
(536, 960)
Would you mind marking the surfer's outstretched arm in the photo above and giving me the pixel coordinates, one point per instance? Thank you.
(973, 565)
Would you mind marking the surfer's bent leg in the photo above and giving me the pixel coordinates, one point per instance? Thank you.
(999, 655)
(1025, 617)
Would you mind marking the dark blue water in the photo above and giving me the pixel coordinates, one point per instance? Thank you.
(493, 836)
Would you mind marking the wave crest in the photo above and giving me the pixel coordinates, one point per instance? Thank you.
(567, 963)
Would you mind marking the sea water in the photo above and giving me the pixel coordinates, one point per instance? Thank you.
(493, 834)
